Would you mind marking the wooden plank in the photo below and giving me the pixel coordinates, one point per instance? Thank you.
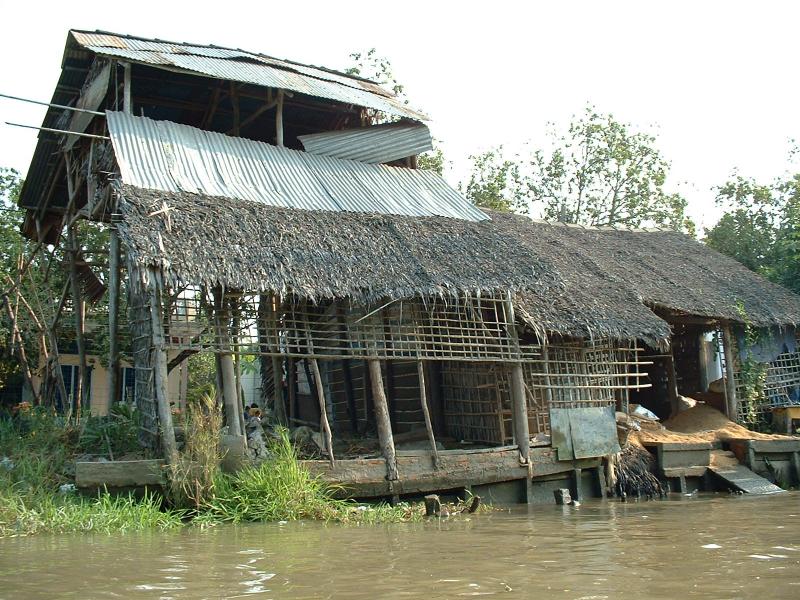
(366, 478)
(121, 473)
(744, 480)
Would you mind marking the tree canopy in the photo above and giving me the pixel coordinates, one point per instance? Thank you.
(598, 171)
(761, 226)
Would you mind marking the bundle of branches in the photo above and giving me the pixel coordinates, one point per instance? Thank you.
(634, 475)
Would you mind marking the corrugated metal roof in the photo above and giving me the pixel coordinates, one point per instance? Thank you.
(376, 144)
(171, 157)
(248, 67)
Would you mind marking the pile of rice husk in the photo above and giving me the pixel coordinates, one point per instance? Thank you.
(713, 425)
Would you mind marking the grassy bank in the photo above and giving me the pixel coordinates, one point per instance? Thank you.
(37, 451)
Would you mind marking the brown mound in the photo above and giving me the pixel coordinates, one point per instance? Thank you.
(709, 424)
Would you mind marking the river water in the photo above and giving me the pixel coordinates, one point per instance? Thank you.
(703, 547)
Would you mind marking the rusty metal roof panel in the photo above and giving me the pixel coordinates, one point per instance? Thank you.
(376, 144)
(167, 156)
(247, 67)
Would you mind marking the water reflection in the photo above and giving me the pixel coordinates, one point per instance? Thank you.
(708, 547)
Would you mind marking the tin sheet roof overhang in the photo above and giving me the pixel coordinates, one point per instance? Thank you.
(247, 67)
(376, 144)
(167, 156)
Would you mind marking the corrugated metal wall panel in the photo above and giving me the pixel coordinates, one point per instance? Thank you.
(377, 144)
(168, 156)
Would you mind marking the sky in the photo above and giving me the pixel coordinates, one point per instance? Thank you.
(715, 81)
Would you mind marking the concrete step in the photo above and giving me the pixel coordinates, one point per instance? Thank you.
(744, 480)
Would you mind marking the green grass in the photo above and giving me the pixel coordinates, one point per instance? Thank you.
(39, 448)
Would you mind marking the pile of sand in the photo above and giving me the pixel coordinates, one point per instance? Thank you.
(713, 425)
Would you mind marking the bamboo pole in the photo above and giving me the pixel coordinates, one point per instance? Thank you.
(114, 387)
(160, 374)
(426, 413)
(23, 360)
(382, 419)
(277, 379)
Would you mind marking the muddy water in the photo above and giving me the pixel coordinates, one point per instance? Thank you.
(707, 547)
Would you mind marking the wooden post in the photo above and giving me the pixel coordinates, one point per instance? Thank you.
(114, 386)
(291, 375)
(127, 103)
(277, 381)
(227, 373)
(160, 374)
(16, 339)
(518, 397)
(382, 419)
(672, 385)
(77, 307)
(279, 120)
(326, 427)
(730, 383)
(423, 396)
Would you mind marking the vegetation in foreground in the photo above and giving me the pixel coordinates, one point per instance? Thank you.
(37, 450)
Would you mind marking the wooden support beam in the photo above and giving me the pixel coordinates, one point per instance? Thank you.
(382, 419)
(227, 371)
(279, 120)
(278, 402)
(518, 396)
(77, 308)
(423, 396)
(160, 375)
(672, 385)
(127, 102)
(291, 374)
(16, 338)
(326, 427)
(114, 371)
(730, 382)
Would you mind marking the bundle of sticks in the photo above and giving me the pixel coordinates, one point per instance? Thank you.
(634, 476)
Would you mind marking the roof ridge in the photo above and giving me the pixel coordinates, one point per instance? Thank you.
(206, 45)
(654, 229)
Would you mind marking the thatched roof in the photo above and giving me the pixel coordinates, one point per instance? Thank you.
(567, 280)
(674, 273)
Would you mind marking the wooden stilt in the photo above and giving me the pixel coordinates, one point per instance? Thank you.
(672, 385)
(227, 373)
(382, 419)
(326, 427)
(114, 385)
(518, 396)
(291, 372)
(77, 307)
(160, 374)
(426, 413)
(277, 378)
(730, 382)
(17, 341)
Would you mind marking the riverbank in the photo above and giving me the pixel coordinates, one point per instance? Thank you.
(37, 493)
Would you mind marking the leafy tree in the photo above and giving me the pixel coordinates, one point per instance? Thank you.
(600, 172)
(495, 182)
(761, 226)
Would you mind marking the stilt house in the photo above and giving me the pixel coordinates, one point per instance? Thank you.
(263, 207)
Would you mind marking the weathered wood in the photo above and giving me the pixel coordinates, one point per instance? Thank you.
(127, 102)
(518, 397)
(390, 394)
(160, 375)
(672, 385)
(277, 390)
(366, 478)
(382, 420)
(114, 387)
(292, 381)
(118, 474)
(279, 120)
(77, 308)
(730, 383)
(323, 411)
(426, 414)
(227, 371)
